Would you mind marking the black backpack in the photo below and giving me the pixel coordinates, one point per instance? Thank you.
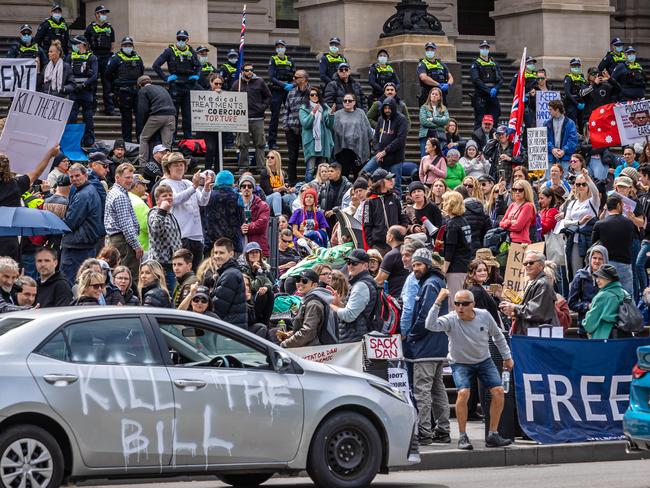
(629, 319)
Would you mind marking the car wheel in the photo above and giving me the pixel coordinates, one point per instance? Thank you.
(345, 452)
(30, 456)
(244, 480)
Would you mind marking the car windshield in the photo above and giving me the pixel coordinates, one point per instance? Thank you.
(11, 323)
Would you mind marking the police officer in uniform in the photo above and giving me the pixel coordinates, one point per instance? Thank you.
(631, 77)
(228, 70)
(85, 72)
(101, 36)
(531, 85)
(184, 69)
(26, 48)
(487, 80)
(574, 83)
(381, 73)
(123, 70)
(614, 57)
(207, 68)
(281, 71)
(433, 72)
(53, 28)
(330, 61)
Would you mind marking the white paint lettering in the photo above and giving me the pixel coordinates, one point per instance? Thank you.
(587, 398)
(530, 397)
(564, 399)
(615, 397)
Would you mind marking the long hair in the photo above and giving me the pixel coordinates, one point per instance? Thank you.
(5, 168)
(471, 269)
(528, 191)
(439, 106)
(156, 270)
(277, 171)
(476, 191)
(123, 269)
(431, 196)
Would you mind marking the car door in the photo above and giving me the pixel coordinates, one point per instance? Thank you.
(232, 406)
(104, 378)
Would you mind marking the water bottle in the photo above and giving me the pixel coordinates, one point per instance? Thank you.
(282, 325)
(505, 380)
(429, 227)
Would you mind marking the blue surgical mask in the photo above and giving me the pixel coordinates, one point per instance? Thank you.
(430, 54)
(531, 67)
(181, 44)
(75, 48)
(56, 17)
(103, 18)
(576, 70)
(334, 49)
(232, 60)
(631, 58)
(281, 50)
(26, 38)
(382, 59)
(127, 50)
(484, 52)
(619, 49)
(203, 59)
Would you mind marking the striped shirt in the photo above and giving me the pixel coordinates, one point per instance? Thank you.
(119, 216)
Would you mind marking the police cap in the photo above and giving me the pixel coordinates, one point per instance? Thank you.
(56, 7)
(630, 49)
(182, 34)
(100, 9)
(575, 62)
(484, 44)
(335, 40)
(531, 59)
(617, 42)
(430, 45)
(26, 28)
(202, 49)
(280, 42)
(233, 52)
(382, 51)
(79, 39)
(127, 40)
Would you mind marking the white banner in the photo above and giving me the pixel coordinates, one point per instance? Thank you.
(542, 98)
(387, 348)
(35, 123)
(16, 73)
(633, 120)
(537, 148)
(345, 355)
(219, 112)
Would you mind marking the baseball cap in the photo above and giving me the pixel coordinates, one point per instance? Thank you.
(159, 148)
(624, 181)
(202, 292)
(98, 157)
(252, 246)
(502, 129)
(138, 178)
(310, 274)
(381, 174)
(343, 65)
(357, 256)
(488, 118)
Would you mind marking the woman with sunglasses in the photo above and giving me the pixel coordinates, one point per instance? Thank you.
(91, 289)
(212, 148)
(317, 122)
(198, 300)
(576, 164)
(521, 213)
(274, 182)
(352, 136)
(152, 287)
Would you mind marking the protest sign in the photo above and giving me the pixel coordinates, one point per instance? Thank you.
(633, 121)
(219, 112)
(537, 149)
(572, 390)
(17, 73)
(35, 124)
(515, 278)
(542, 98)
(345, 355)
(389, 348)
(399, 378)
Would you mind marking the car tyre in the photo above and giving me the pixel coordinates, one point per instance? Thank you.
(40, 453)
(345, 452)
(245, 480)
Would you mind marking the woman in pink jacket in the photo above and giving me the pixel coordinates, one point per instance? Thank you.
(433, 165)
(520, 214)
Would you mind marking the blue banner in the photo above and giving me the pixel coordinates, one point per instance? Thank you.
(573, 390)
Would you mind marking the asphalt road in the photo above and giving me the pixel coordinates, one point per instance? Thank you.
(619, 474)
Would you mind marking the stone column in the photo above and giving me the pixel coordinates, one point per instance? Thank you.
(554, 31)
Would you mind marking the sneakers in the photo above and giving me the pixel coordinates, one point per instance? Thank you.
(441, 437)
(495, 440)
(425, 441)
(464, 443)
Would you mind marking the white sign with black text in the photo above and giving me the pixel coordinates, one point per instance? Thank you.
(17, 73)
(219, 112)
(537, 140)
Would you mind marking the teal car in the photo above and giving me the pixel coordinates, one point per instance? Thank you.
(636, 422)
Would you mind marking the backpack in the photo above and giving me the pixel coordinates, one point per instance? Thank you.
(386, 313)
(329, 333)
(494, 238)
(192, 147)
(629, 318)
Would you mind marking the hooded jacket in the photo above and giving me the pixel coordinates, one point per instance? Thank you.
(55, 292)
(375, 111)
(361, 286)
(310, 319)
(583, 287)
(229, 295)
(390, 134)
(379, 213)
(259, 96)
(478, 221)
(85, 218)
(603, 314)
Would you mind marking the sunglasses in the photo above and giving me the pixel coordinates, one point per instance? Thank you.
(468, 186)
(581, 184)
(518, 190)
(218, 83)
(344, 69)
(529, 263)
(96, 286)
(575, 161)
(270, 157)
(246, 187)
(462, 304)
(199, 300)
(305, 281)
(287, 242)
(247, 70)
(313, 94)
(348, 100)
(484, 183)
(351, 263)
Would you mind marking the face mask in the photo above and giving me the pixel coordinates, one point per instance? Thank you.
(531, 67)
(334, 49)
(57, 17)
(484, 52)
(430, 54)
(232, 60)
(281, 51)
(203, 59)
(619, 49)
(181, 44)
(631, 58)
(26, 38)
(575, 71)
(103, 18)
(127, 50)
(75, 48)
(382, 59)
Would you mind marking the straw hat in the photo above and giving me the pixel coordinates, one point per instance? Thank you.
(485, 254)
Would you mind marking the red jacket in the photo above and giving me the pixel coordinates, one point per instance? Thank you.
(523, 218)
(547, 216)
(259, 224)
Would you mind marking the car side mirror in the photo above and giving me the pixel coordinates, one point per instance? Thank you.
(282, 361)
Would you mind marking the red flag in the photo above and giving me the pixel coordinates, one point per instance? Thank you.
(603, 129)
(517, 112)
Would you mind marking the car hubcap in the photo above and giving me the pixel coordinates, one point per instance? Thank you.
(346, 452)
(26, 463)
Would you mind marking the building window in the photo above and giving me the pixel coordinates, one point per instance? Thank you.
(285, 14)
(474, 17)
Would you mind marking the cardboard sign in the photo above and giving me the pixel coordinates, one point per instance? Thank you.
(399, 378)
(35, 124)
(515, 278)
(542, 98)
(219, 112)
(345, 355)
(537, 149)
(383, 348)
(17, 73)
(633, 121)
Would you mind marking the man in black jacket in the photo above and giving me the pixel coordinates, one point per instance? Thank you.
(602, 90)
(341, 84)
(259, 99)
(8, 291)
(53, 289)
(331, 194)
(156, 112)
(229, 294)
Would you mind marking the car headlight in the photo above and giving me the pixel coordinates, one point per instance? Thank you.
(388, 390)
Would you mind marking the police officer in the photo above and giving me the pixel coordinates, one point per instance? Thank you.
(614, 57)
(330, 61)
(207, 68)
(53, 28)
(228, 70)
(85, 72)
(432, 72)
(101, 36)
(531, 85)
(281, 71)
(184, 69)
(123, 71)
(630, 76)
(487, 80)
(574, 83)
(381, 73)
(24, 47)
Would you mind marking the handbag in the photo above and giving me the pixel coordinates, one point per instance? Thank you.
(629, 320)
(439, 244)
(554, 247)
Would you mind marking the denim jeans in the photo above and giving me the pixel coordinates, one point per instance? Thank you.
(170, 278)
(29, 265)
(641, 260)
(625, 276)
(597, 169)
(274, 200)
(71, 259)
(311, 165)
(396, 169)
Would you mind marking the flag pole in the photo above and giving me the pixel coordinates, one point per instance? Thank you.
(241, 46)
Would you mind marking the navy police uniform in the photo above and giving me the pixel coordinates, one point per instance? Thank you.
(85, 71)
(101, 38)
(485, 75)
(281, 71)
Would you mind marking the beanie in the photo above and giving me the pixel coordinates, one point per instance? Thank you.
(225, 178)
(422, 255)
